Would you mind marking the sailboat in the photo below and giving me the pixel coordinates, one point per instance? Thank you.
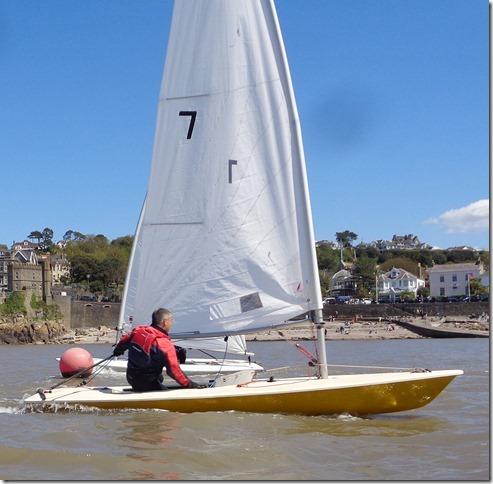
(227, 233)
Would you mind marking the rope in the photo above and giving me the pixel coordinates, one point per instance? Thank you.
(213, 382)
(94, 374)
(272, 370)
(313, 359)
(374, 367)
(41, 391)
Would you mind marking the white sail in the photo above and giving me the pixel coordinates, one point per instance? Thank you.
(235, 344)
(227, 240)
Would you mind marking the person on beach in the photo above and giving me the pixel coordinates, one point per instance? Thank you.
(150, 350)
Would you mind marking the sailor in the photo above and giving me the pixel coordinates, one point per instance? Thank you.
(150, 350)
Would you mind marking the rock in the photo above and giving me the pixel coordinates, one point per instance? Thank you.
(22, 331)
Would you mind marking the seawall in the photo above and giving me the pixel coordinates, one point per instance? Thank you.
(471, 309)
(85, 314)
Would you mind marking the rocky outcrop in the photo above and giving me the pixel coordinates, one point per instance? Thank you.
(20, 330)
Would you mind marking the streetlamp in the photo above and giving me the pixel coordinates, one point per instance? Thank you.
(376, 287)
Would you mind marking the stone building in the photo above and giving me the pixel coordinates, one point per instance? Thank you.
(26, 271)
(26, 277)
(4, 274)
(60, 268)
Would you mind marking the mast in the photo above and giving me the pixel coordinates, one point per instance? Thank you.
(121, 316)
(316, 315)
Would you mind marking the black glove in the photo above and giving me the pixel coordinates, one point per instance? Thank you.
(181, 354)
(193, 384)
(117, 351)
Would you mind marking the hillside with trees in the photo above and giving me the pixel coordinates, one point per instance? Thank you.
(367, 261)
(99, 264)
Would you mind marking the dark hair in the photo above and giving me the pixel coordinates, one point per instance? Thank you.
(159, 315)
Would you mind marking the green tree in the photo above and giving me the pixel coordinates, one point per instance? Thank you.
(14, 304)
(407, 296)
(364, 270)
(476, 288)
(425, 258)
(69, 234)
(368, 251)
(35, 235)
(401, 263)
(324, 282)
(49, 311)
(47, 238)
(124, 242)
(97, 286)
(82, 267)
(485, 259)
(98, 264)
(328, 258)
(439, 257)
(78, 236)
(346, 238)
(458, 256)
(423, 291)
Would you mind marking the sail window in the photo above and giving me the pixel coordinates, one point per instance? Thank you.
(250, 302)
(235, 306)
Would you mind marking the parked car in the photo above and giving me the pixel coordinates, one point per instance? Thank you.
(343, 299)
(366, 300)
(329, 300)
(455, 298)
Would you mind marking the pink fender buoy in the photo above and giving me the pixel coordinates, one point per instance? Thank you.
(74, 360)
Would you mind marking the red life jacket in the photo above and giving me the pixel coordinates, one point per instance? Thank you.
(150, 350)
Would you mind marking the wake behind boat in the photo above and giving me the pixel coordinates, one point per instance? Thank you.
(225, 238)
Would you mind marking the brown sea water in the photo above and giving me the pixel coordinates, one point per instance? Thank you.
(448, 439)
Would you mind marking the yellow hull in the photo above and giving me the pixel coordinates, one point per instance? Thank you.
(369, 400)
(352, 394)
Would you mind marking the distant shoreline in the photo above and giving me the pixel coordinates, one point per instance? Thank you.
(362, 330)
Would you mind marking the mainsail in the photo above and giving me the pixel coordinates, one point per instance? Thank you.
(235, 344)
(225, 238)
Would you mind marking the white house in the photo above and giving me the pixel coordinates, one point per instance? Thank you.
(452, 279)
(395, 281)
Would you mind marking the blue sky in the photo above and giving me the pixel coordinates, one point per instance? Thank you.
(392, 95)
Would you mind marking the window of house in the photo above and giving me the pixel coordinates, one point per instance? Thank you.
(442, 278)
(454, 278)
(442, 291)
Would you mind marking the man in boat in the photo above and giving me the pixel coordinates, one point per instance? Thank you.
(150, 350)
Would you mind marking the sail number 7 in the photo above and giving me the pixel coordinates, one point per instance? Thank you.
(193, 115)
